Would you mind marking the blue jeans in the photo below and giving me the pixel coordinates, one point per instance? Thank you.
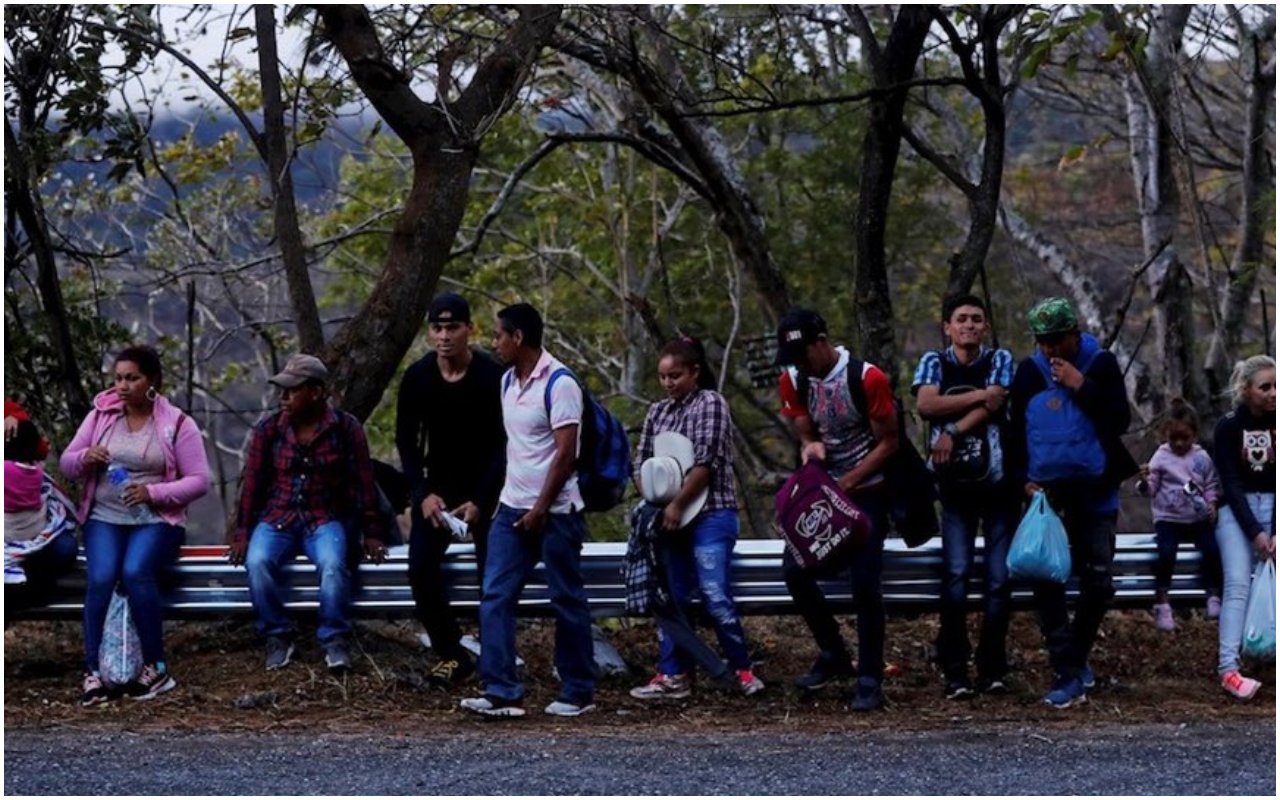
(699, 558)
(134, 555)
(512, 556)
(997, 512)
(1238, 561)
(271, 549)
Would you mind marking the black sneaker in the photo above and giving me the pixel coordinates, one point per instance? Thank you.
(451, 672)
(279, 652)
(992, 686)
(337, 657)
(94, 691)
(868, 697)
(150, 683)
(958, 689)
(825, 670)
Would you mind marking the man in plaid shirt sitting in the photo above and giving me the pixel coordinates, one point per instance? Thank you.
(307, 486)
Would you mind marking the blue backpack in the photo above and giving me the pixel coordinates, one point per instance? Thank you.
(1062, 442)
(604, 453)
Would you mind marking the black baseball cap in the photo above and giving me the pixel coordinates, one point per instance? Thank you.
(798, 329)
(449, 307)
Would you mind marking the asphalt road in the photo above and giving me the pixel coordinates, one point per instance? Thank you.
(499, 758)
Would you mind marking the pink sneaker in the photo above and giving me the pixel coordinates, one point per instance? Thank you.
(749, 682)
(1213, 608)
(1240, 687)
(1164, 617)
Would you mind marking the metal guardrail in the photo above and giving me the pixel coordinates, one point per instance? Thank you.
(203, 584)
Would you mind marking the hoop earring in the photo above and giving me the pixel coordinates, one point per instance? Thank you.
(152, 394)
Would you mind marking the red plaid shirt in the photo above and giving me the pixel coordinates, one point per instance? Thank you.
(326, 480)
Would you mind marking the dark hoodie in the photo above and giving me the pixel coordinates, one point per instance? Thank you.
(1103, 399)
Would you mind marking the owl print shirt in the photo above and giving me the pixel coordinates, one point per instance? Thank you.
(1245, 455)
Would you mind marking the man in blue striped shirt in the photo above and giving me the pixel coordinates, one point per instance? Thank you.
(961, 391)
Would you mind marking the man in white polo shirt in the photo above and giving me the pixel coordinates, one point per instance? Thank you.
(539, 518)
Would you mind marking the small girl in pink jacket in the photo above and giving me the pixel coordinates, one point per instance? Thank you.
(142, 462)
(1183, 486)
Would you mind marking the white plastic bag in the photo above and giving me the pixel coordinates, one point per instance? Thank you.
(1260, 615)
(120, 656)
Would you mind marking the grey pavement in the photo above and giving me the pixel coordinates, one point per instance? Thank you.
(499, 758)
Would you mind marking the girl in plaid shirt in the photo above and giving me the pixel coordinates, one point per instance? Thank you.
(696, 555)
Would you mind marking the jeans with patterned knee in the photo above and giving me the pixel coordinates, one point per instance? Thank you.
(697, 559)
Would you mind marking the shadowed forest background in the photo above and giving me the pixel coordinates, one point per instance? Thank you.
(236, 183)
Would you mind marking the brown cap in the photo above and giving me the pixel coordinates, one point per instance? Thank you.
(300, 369)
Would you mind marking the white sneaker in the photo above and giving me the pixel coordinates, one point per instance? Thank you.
(561, 708)
(674, 687)
(493, 706)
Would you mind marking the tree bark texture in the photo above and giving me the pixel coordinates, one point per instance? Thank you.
(443, 138)
(1149, 97)
(1250, 251)
(302, 296)
(873, 310)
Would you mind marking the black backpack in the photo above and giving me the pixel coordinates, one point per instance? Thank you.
(910, 485)
(971, 453)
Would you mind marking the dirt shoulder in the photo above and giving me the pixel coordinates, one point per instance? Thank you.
(1144, 678)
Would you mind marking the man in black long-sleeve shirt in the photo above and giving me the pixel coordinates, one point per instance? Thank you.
(453, 450)
(1068, 409)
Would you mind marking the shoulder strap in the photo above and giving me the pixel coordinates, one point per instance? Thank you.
(857, 388)
(551, 382)
(178, 428)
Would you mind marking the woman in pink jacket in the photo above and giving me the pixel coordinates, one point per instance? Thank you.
(142, 462)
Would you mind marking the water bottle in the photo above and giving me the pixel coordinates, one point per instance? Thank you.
(118, 476)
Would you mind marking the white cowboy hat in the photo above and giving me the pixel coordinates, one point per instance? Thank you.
(662, 475)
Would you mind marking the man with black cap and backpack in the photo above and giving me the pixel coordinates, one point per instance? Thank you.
(843, 411)
(453, 451)
(961, 390)
(1068, 409)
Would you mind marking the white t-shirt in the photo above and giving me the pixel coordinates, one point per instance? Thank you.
(531, 444)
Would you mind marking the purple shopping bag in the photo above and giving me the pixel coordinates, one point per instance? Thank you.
(817, 519)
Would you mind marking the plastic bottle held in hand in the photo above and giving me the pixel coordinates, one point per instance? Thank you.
(118, 476)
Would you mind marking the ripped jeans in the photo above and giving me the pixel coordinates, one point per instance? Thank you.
(698, 557)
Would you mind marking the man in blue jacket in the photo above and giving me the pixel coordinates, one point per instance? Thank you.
(1068, 410)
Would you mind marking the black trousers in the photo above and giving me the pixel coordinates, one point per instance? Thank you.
(1092, 536)
(427, 547)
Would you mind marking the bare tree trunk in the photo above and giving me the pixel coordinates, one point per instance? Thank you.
(894, 64)
(1251, 250)
(19, 192)
(1148, 90)
(443, 138)
(279, 166)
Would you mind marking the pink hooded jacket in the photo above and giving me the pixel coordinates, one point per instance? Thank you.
(186, 472)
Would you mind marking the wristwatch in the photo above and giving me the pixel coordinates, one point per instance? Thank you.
(951, 430)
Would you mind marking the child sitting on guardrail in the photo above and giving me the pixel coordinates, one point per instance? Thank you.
(24, 507)
(1183, 486)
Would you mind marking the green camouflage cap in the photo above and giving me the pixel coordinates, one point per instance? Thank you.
(1053, 315)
